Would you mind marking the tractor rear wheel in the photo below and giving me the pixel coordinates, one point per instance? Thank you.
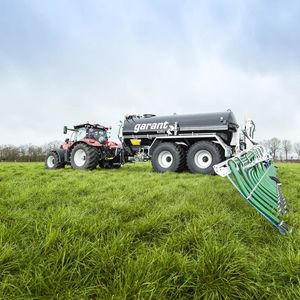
(168, 157)
(202, 156)
(52, 161)
(84, 157)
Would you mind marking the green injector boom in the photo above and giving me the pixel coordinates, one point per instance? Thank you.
(253, 174)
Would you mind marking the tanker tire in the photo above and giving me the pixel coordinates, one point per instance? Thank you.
(168, 157)
(52, 161)
(202, 156)
(183, 166)
(88, 160)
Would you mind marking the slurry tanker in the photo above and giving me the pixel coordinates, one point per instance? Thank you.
(206, 143)
(194, 142)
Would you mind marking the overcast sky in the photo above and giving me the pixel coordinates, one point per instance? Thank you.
(71, 61)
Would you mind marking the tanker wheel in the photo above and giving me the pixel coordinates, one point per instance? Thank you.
(84, 157)
(202, 156)
(168, 157)
(52, 161)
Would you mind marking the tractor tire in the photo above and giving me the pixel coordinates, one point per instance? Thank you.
(52, 161)
(168, 157)
(84, 157)
(202, 156)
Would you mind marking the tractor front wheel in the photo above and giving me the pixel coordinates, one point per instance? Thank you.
(52, 161)
(84, 157)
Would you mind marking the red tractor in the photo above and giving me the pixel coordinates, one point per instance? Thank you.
(87, 148)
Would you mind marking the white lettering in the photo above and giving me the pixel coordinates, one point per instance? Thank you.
(137, 128)
(152, 126)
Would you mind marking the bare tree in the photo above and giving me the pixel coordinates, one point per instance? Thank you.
(287, 148)
(265, 143)
(51, 145)
(297, 149)
(9, 153)
(274, 146)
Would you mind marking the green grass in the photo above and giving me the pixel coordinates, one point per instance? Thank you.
(136, 234)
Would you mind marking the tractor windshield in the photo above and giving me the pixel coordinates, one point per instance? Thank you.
(80, 134)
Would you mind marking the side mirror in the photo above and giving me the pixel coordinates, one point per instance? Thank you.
(65, 129)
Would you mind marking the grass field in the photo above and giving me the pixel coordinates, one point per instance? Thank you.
(135, 234)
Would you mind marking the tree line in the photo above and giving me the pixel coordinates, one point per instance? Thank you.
(283, 149)
(26, 153)
(280, 149)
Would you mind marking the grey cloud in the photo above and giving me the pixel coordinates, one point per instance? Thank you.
(100, 70)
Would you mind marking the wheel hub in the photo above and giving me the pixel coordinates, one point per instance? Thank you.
(50, 161)
(80, 157)
(165, 159)
(203, 159)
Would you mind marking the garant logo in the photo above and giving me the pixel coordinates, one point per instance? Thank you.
(151, 126)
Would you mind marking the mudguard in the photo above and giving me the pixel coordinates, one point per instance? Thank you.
(60, 153)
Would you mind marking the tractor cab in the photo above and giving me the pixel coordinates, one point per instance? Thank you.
(87, 131)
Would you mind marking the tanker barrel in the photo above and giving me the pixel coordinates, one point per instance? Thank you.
(184, 124)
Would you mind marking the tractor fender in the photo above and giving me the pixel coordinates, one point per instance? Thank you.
(90, 142)
(87, 142)
(60, 153)
(111, 144)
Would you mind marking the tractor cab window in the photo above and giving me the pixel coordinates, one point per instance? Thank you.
(102, 136)
(98, 134)
(80, 134)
